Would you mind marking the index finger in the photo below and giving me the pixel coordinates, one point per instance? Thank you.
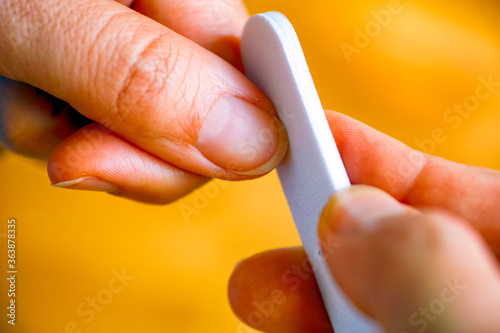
(418, 179)
(214, 24)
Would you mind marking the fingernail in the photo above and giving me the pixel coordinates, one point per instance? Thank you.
(88, 184)
(242, 138)
(357, 208)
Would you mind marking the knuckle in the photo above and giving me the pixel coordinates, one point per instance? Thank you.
(156, 84)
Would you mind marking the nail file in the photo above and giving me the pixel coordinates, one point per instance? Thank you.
(312, 169)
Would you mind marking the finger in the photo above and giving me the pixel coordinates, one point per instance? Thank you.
(419, 179)
(32, 122)
(214, 24)
(253, 281)
(276, 292)
(213, 28)
(148, 84)
(99, 160)
(427, 272)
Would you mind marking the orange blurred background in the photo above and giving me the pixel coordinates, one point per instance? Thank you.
(425, 57)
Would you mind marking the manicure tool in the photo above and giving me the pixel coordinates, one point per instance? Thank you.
(312, 169)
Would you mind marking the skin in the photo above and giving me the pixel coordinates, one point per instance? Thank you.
(144, 77)
(447, 227)
(128, 70)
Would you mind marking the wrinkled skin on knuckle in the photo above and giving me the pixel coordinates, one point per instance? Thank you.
(161, 86)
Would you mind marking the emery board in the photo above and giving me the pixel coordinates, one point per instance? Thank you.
(312, 169)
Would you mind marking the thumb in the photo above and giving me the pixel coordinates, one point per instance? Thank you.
(411, 271)
(144, 82)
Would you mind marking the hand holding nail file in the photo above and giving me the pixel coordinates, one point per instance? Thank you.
(312, 170)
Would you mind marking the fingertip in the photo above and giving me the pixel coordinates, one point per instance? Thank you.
(95, 159)
(396, 268)
(242, 138)
(276, 291)
(356, 208)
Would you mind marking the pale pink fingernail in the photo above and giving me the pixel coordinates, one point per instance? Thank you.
(242, 138)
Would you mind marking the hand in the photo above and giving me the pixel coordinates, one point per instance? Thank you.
(431, 269)
(166, 112)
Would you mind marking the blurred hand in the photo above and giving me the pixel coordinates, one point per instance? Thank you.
(162, 111)
(428, 270)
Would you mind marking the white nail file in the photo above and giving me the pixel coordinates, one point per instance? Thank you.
(312, 170)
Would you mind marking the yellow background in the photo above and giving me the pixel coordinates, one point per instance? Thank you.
(427, 59)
